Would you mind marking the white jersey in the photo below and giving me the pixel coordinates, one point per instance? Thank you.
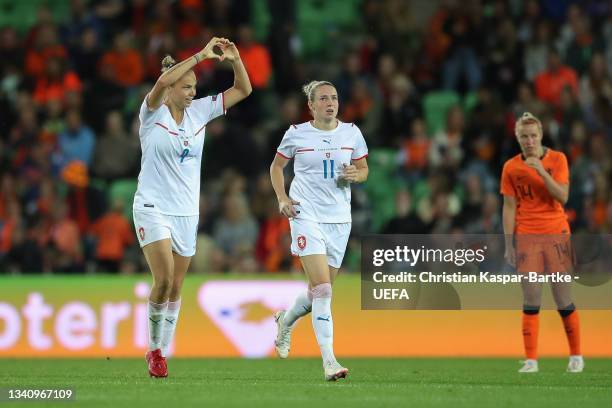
(319, 157)
(169, 179)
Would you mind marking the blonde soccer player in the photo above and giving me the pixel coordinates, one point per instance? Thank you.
(329, 155)
(535, 186)
(166, 203)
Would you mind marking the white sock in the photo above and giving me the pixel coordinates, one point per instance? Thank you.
(322, 321)
(156, 314)
(301, 307)
(169, 326)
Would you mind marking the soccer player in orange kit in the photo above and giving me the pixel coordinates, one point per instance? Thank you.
(535, 186)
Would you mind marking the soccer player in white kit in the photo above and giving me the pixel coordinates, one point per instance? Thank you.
(166, 203)
(328, 155)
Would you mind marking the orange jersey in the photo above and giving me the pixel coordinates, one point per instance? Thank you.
(537, 212)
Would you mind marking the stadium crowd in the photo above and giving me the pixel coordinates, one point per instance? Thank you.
(435, 92)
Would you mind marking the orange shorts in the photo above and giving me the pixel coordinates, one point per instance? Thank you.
(548, 253)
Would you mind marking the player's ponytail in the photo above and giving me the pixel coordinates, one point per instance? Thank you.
(167, 63)
(309, 88)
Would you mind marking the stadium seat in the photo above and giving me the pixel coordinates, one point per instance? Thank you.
(319, 20)
(469, 102)
(21, 15)
(435, 106)
(260, 19)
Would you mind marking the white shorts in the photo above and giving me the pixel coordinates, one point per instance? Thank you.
(182, 231)
(312, 238)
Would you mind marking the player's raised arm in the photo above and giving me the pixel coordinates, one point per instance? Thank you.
(173, 73)
(242, 85)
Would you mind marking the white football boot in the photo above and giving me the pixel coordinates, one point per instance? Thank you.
(575, 365)
(283, 335)
(334, 371)
(529, 366)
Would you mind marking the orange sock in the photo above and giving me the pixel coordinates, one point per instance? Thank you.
(571, 323)
(531, 326)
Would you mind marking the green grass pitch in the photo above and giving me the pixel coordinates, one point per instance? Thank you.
(295, 383)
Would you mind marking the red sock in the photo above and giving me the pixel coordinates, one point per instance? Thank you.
(571, 323)
(531, 326)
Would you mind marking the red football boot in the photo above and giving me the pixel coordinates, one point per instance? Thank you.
(157, 364)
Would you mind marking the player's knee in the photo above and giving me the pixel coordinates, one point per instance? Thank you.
(323, 290)
(175, 290)
(163, 285)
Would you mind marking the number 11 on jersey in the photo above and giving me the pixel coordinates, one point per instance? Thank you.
(331, 168)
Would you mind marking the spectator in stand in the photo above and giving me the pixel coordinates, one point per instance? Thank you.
(256, 58)
(113, 234)
(23, 137)
(235, 232)
(362, 109)
(9, 223)
(584, 45)
(415, 150)
(11, 50)
(262, 198)
(405, 221)
(550, 83)
(462, 60)
(274, 241)
(158, 47)
(402, 109)
(526, 101)
(503, 52)
(46, 45)
(54, 123)
(489, 221)
(527, 28)
(26, 255)
(595, 84)
(82, 19)
(85, 55)
(290, 113)
(535, 55)
(66, 253)
(446, 146)
(56, 82)
(568, 30)
(77, 142)
(281, 41)
(257, 63)
(116, 154)
(124, 60)
(104, 95)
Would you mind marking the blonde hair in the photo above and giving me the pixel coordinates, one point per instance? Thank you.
(309, 88)
(167, 63)
(527, 118)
